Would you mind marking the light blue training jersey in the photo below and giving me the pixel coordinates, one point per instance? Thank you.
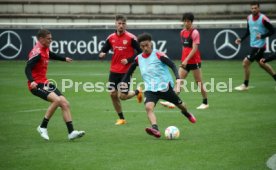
(155, 73)
(256, 27)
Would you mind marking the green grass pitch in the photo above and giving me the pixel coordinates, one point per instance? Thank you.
(238, 131)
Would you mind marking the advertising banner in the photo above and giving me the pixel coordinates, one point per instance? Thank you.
(85, 44)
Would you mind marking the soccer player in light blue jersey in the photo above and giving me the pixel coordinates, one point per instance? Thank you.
(258, 28)
(154, 68)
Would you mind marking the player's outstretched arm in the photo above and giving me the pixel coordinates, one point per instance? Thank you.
(54, 56)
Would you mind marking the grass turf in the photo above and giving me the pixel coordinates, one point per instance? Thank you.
(236, 132)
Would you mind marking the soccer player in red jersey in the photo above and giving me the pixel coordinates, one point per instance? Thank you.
(191, 59)
(123, 44)
(39, 85)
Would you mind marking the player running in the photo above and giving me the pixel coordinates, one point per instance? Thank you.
(258, 27)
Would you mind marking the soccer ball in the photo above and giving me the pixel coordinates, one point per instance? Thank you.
(172, 132)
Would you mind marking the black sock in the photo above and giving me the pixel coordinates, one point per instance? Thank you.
(274, 76)
(246, 82)
(44, 123)
(70, 127)
(187, 114)
(205, 101)
(136, 91)
(155, 126)
(121, 115)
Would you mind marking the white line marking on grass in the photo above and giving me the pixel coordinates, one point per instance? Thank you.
(31, 110)
(271, 162)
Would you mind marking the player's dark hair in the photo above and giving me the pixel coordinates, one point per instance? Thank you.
(120, 17)
(144, 37)
(255, 3)
(42, 33)
(188, 16)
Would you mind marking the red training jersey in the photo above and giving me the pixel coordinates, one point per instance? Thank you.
(190, 36)
(40, 69)
(123, 49)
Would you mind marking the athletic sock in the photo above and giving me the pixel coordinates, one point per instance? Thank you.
(205, 101)
(155, 126)
(69, 127)
(121, 115)
(44, 123)
(187, 114)
(136, 92)
(274, 76)
(246, 82)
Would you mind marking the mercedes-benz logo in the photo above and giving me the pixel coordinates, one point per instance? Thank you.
(224, 44)
(10, 44)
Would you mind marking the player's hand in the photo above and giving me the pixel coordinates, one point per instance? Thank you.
(102, 55)
(124, 61)
(68, 59)
(238, 41)
(184, 64)
(258, 36)
(33, 85)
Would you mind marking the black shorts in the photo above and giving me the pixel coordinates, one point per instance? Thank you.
(192, 67)
(114, 82)
(256, 54)
(168, 95)
(43, 91)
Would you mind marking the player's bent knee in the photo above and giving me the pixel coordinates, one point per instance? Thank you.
(64, 104)
(244, 64)
(149, 109)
